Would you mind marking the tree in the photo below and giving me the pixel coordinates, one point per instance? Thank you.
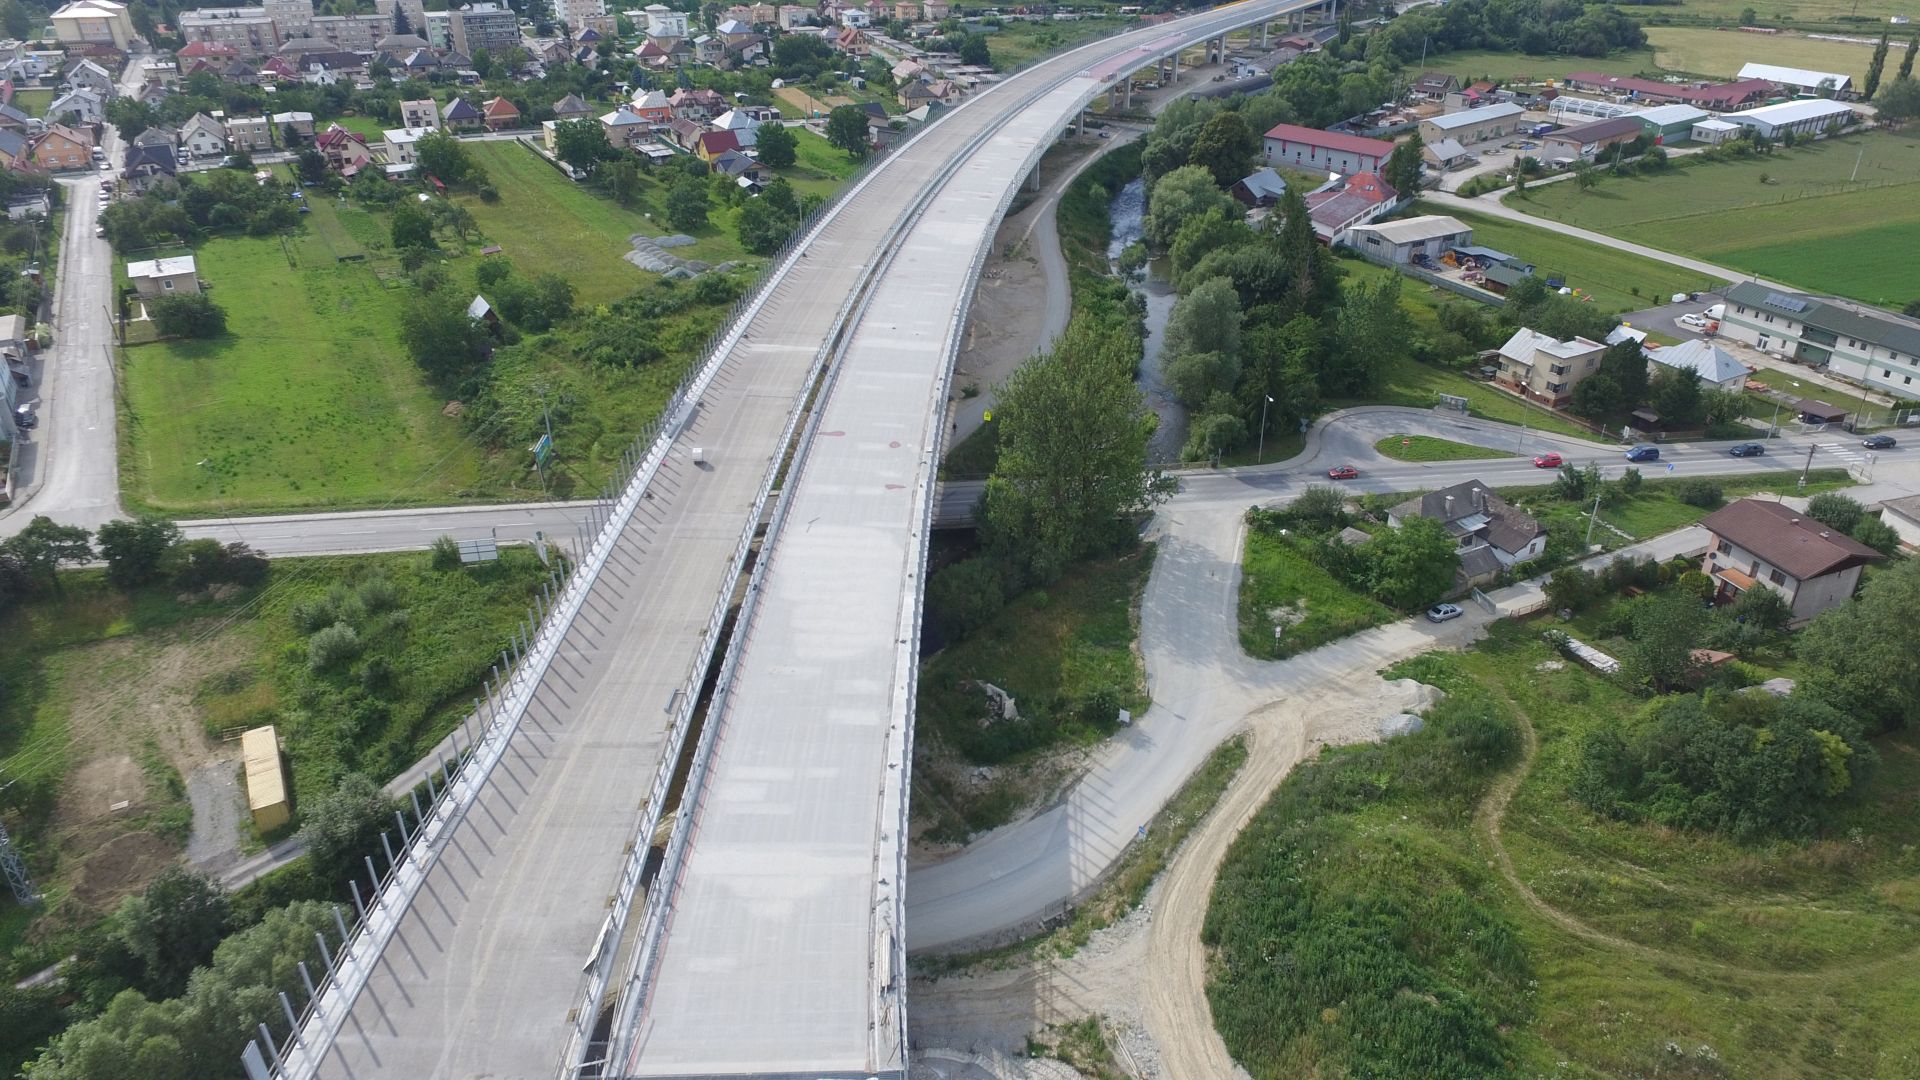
(1178, 197)
(313, 165)
(343, 826)
(16, 20)
(1073, 451)
(441, 337)
(482, 62)
(974, 50)
(1224, 147)
(134, 550)
(1404, 165)
(966, 595)
(1906, 61)
(441, 156)
(687, 204)
(1207, 319)
(1835, 510)
(1900, 100)
(1584, 175)
(1875, 66)
(1660, 652)
(1865, 656)
(411, 227)
(581, 143)
(1412, 566)
(622, 180)
(763, 228)
(197, 564)
(1675, 394)
(189, 315)
(778, 145)
(1371, 336)
(1749, 17)
(44, 544)
(847, 130)
(173, 927)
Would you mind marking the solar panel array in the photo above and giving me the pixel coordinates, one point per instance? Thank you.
(1785, 302)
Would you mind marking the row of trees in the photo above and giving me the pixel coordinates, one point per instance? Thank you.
(137, 552)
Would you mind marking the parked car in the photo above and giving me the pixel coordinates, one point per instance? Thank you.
(1643, 452)
(23, 418)
(1879, 442)
(1747, 449)
(1343, 472)
(1443, 612)
(106, 166)
(1548, 460)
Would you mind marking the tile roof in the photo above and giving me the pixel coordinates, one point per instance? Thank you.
(1780, 535)
(1332, 140)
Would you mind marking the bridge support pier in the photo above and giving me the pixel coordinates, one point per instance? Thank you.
(1263, 36)
(1080, 122)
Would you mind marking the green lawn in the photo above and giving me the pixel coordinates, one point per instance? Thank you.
(1471, 64)
(1277, 580)
(1428, 448)
(1809, 223)
(1655, 509)
(1719, 54)
(1419, 386)
(1789, 12)
(309, 399)
(818, 168)
(33, 102)
(372, 128)
(1384, 881)
(1020, 43)
(1617, 280)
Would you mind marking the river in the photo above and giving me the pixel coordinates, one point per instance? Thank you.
(1128, 213)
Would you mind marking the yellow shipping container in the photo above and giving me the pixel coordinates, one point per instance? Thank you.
(266, 779)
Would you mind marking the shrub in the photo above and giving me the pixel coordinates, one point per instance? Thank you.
(446, 553)
(191, 315)
(1319, 506)
(1631, 480)
(1835, 510)
(967, 595)
(313, 616)
(331, 647)
(1698, 492)
(202, 563)
(377, 594)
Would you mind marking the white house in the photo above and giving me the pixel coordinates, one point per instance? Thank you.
(1756, 543)
(203, 136)
(164, 277)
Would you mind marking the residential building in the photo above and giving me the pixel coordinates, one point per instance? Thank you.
(346, 151)
(571, 107)
(437, 28)
(1800, 80)
(1713, 96)
(424, 113)
(855, 19)
(701, 105)
(1491, 534)
(12, 119)
(460, 115)
(1313, 150)
(1263, 188)
(164, 277)
(500, 114)
(579, 14)
(625, 129)
(1434, 85)
(61, 147)
(293, 128)
(294, 18)
(1339, 205)
(203, 136)
(148, 164)
(1410, 240)
(250, 31)
(415, 11)
(486, 26)
(1756, 543)
(93, 22)
(359, 33)
(1588, 140)
(400, 143)
(665, 24)
(1469, 126)
(15, 148)
(652, 106)
(711, 144)
(1717, 368)
(84, 74)
(1545, 369)
(250, 133)
(1902, 515)
(1857, 342)
(793, 16)
(1813, 117)
(853, 41)
(741, 122)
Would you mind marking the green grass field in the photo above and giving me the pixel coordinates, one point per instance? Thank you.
(818, 167)
(1617, 280)
(308, 400)
(1655, 508)
(1274, 576)
(1519, 67)
(1719, 54)
(1810, 224)
(1863, 15)
(1428, 448)
(33, 102)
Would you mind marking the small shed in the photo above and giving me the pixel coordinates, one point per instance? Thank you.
(266, 778)
(1819, 412)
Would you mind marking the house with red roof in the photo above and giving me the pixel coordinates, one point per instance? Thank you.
(1713, 96)
(346, 151)
(1313, 150)
(1352, 200)
(711, 144)
(500, 114)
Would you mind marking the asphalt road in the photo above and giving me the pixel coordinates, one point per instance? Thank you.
(69, 465)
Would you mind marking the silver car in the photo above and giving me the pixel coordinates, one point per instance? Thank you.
(1443, 612)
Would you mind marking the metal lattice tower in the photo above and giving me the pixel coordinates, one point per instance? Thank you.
(16, 871)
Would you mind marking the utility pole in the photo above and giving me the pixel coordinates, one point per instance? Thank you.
(1808, 467)
(1263, 427)
(1593, 517)
(13, 869)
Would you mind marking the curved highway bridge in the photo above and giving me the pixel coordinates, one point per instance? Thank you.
(770, 941)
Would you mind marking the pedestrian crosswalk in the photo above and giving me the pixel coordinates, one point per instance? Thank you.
(1853, 455)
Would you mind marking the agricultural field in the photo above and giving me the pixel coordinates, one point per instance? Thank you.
(119, 697)
(1471, 64)
(1831, 216)
(308, 400)
(1719, 54)
(1863, 17)
(1446, 907)
(1617, 280)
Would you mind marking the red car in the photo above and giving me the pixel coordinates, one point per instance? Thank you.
(1546, 461)
(1343, 472)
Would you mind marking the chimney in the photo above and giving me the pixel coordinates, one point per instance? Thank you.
(1479, 499)
(1795, 521)
(1449, 508)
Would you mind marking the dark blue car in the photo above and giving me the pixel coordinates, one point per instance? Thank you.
(1644, 453)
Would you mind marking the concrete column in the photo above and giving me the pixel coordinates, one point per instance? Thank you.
(1080, 122)
(1263, 36)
